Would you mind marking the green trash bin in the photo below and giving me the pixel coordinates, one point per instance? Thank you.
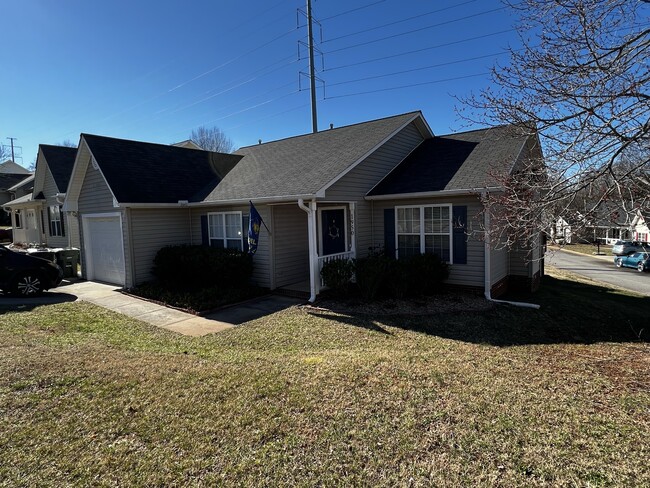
(68, 260)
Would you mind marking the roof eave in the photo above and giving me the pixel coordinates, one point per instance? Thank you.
(433, 194)
(212, 203)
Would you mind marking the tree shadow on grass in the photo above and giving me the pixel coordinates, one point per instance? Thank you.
(571, 312)
(18, 304)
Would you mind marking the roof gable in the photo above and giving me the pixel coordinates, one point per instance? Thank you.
(60, 160)
(304, 165)
(142, 172)
(13, 168)
(462, 161)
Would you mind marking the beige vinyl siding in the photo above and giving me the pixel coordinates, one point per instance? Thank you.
(470, 274)
(39, 174)
(290, 245)
(499, 264)
(95, 197)
(359, 181)
(151, 230)
(262, 258)
(520, 262)
(72, 230)
(50, 190)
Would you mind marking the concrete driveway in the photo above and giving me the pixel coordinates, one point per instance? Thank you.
(110, 297)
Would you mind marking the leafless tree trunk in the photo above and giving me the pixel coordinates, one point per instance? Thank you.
(580, 81)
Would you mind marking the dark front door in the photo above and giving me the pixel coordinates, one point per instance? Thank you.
(333, 231)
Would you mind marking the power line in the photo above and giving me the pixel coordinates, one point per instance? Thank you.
(408, 86)
(266, 102)
(415, 51)
(353, 10)
(236, 58)
(399, 21)
(438, 65)
(416, 30)
(277, 114)
(226, 90)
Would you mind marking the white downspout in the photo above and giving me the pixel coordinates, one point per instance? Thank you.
(488, 270)
(313, 252)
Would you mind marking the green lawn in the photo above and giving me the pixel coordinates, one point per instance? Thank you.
(508, 397)
(587, 248)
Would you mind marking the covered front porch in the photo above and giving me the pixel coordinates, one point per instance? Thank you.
(306, 235)
(26, 220)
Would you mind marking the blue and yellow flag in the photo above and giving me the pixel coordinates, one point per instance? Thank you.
(255, 220)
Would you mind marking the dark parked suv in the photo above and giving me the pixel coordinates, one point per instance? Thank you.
(25, 275)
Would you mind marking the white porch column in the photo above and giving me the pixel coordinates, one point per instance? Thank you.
(314, 278)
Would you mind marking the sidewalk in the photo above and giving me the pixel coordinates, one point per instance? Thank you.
(110, 297)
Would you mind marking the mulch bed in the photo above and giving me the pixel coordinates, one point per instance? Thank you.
(443, 303)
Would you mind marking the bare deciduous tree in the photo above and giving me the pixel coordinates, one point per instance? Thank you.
(68, 143)
(212, 139)
(581, 81)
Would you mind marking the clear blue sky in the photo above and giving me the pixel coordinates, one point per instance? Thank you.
(153, 71)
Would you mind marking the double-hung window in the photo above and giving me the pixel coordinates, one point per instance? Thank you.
(56, 228)
(225, 230)
(18, 216)
(424, 229)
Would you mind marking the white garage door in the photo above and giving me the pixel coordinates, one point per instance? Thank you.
(104, 251)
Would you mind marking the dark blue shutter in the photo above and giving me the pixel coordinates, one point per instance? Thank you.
(62, 217)
(389, 231)
(205, 237)
(245, 219)
(459, 234)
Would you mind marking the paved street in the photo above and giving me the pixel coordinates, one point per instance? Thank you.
(600, 268)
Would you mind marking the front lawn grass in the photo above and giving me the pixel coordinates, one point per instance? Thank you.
(307, 397)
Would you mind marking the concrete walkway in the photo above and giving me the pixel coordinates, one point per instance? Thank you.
(110, 297)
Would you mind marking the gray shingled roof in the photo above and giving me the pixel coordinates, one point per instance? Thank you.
(302, 165)
(60, 160)
(142, 172)
(461, 161)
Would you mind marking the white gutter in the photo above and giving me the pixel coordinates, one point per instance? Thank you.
(60, 198)
(313, 252)
(429, 194)
(218, 203)
(488, 271)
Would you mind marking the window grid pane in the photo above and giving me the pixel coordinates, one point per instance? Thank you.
(225, 230)
(430, 223)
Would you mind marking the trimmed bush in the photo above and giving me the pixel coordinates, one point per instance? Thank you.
(371, 274)
(195, 267)
(427, 274)
(337, 275)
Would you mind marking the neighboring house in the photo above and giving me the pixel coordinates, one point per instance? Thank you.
(38, 217)
(561, 231)
(639, 228)
(386, 183)
(189, 144)
(10, 167)
(608, 224)
(11, 175)
(22, 188)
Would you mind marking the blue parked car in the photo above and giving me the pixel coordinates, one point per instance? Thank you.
(638, 260)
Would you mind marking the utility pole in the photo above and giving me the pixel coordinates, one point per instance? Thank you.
(12, 139)
(312, 72)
